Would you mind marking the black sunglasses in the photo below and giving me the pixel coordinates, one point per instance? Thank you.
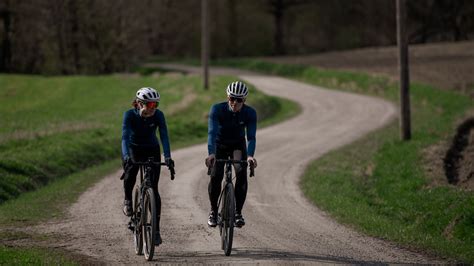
(234, 99)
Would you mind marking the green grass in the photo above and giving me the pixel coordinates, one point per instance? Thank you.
(378, 184)
(30, 207)
(32, 256)
(46, 203)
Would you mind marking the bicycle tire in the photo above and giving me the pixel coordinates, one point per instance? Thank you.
(149, 224)
(228, 221)
(222, 216)
(137, 230)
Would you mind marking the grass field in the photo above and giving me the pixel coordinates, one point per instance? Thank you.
(60, 135)
(379, 184)
(55, 126)
(36, 256)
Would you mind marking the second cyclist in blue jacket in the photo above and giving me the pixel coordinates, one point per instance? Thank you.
(231, 133)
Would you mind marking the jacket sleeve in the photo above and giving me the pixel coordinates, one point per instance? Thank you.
(213, 124)
(163, 128)
(252, 132)
(126, 132)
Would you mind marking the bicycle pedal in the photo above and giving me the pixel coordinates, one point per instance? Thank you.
(239, 225)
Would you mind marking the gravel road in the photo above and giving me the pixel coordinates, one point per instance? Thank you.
(282, 225)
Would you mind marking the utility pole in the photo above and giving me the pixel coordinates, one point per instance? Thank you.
(405, 124)
(205, 42)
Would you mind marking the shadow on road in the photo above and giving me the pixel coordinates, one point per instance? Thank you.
(258, 255)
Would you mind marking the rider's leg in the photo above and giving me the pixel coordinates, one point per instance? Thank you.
(240, 184)
(157, 197)
(129, 180)
(241, 180)
(130, 176)
(217, 174)
(158, 240)
(157, 171)
(155, 153)
(131, 171)
(215, 183)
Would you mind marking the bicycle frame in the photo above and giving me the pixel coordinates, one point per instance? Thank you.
(143, 207)
(226, 202)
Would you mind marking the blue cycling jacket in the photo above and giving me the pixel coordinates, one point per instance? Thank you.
(227, 127)
(141, 131)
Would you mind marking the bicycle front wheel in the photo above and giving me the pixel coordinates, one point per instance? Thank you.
(149, 223)
(137, 229)
(228, 215)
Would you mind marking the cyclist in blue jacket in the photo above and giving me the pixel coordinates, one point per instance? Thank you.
(231, 132)
(139, 142)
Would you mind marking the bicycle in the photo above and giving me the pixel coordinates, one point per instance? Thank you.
(226, 203)
(143, 221)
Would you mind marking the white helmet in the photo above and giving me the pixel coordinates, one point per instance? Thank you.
(148, 94)
(237, 89)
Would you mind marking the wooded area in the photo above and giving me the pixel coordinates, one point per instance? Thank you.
(103, 36)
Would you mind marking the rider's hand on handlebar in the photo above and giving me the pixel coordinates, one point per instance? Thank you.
(126, 162)
(210, 160)
(252, 161)
(169, 162)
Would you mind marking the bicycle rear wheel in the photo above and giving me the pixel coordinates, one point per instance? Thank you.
(149, 223)
(137, 229)
(228, 218)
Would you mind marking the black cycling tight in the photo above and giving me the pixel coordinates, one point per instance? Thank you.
(214, 188)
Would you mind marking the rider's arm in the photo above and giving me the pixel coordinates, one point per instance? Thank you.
(213, 125)
(251, 132)
(164, 135)
(126, 132)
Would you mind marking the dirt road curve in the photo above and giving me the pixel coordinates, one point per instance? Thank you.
(282, 226)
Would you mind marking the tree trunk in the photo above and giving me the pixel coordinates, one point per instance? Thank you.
(205, 42)
(73, 11)
(232, 47)
(6, 52)
(278, 11)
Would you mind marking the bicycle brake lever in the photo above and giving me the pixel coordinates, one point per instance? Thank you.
(172, 172)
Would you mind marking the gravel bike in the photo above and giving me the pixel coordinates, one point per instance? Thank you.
(143, 221)
(226, 203)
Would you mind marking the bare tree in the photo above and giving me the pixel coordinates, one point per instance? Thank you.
(99, 36)
(57, 20)
(433, 20)
(232, 28)
(5, 52)
(278, 9)
(73, 9)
